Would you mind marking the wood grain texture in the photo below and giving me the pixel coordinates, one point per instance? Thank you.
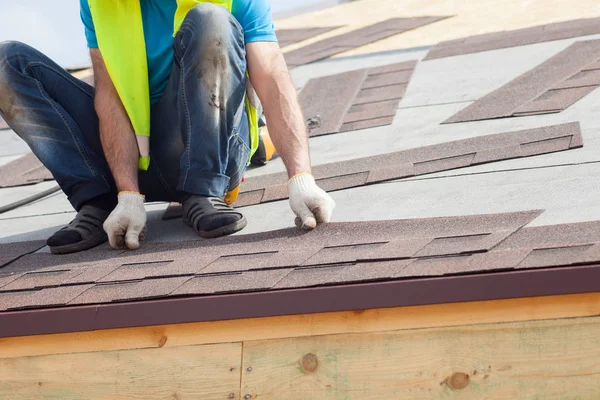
(193, 372)
(556, 359)
(377, 320)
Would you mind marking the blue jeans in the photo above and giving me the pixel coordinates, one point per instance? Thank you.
(199, 140)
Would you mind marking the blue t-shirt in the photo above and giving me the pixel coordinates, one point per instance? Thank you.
(253, 15)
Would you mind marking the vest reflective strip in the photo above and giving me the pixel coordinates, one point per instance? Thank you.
(184, 6)
(120, 35)
(120, 22)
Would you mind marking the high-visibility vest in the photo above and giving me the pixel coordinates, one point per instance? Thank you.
(120, 35)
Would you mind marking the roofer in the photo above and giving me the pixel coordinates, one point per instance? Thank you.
(173, 117)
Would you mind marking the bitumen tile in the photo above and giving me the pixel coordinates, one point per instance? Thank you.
(519, 37)
(362, 251)
(360, 37)
(338, 253)
(235, 282)
(286, 37)
(359, 99)
(546, 88)
(128, 290)
(23, 171)
(421, 160)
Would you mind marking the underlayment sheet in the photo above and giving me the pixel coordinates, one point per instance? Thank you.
(26, 170)
(355, 100)
(360, 37)
(337, 253)
(519, 37)
(3, 124)
(287, 37)
(414, 162)
(550, 87)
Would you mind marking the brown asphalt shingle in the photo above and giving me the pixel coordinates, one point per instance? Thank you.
(47, 297)
(359, 99)
(336, 253)
(548, 88)
(520, 37)
(26, 170)
(287, 37)
(422, 160)
(128, 290)
(360, 37)
(235, 282)
(13, 251)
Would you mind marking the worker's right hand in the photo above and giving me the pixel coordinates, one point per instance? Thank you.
(126, 225)
(311, 204)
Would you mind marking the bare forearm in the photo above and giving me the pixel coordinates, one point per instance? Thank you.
(287, 127)
(116, 133)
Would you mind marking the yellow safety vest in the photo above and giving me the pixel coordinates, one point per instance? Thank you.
(120, 35)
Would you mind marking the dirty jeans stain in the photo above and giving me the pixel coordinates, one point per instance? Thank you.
(195, 147)
(209, 80)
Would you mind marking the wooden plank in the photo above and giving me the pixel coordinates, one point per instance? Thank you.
(458, 314)
(557, 359)
(193, 372)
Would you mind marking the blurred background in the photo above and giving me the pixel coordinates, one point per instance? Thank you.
(54, 27)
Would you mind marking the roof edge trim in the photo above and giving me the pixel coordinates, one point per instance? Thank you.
(362, 296)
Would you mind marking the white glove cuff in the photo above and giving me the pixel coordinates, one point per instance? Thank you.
(301, 183)
(132, 198)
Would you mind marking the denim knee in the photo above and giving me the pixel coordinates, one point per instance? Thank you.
(16, 55)
(208, 16)
(211, 23)
(13, 58)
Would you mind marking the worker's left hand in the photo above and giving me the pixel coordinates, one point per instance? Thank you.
(311, 204)
(126, 225)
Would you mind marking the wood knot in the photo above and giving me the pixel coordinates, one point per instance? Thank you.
(162, 341)
(458, 381)
(310, 362)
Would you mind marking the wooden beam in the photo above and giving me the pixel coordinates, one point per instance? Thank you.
(550, 360)
(193, 372)
(536, 308)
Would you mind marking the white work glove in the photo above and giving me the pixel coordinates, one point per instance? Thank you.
(310, 203)
(126, 225)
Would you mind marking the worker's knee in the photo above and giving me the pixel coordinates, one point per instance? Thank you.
(8, 51)
(14, 56)
(208, 14)
(12, 50)
(208, 20)
(10, 59)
